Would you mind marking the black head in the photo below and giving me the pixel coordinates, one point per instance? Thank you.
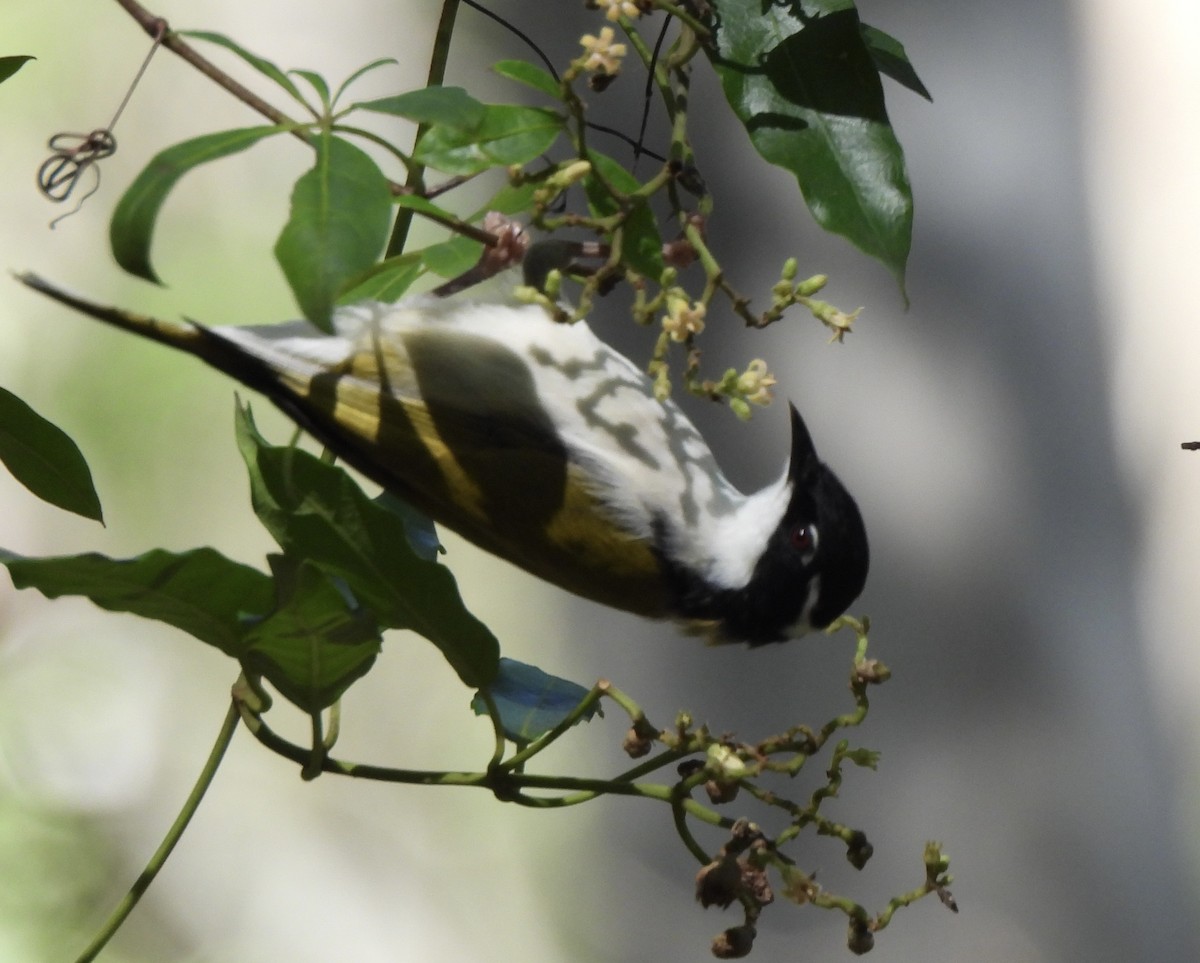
(822, 534)
(813, 565)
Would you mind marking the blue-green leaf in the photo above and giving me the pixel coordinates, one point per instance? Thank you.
(531, 702)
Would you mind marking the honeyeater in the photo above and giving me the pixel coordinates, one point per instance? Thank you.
(544, 446)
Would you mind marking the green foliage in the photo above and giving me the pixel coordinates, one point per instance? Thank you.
(10, 65)
(200, 592)
(530, 703)
(340, 214)
(315, 511)
(132, 228)
(803, 77)
(44, 459)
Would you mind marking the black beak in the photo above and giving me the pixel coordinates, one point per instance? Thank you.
(805, 464)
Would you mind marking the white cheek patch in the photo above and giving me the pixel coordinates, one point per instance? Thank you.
(728, 547)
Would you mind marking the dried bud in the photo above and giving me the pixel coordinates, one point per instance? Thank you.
(858, 849)
(861, 940)
(871, 671)
(734, 943)
(756, 885)
(635, 744)
(717, 883)
(720, 793)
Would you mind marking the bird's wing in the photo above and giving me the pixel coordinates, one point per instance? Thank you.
(454, 422)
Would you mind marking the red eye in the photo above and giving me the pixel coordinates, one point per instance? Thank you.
(804, 538)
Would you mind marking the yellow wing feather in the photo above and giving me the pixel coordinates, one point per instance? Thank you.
(458, 431)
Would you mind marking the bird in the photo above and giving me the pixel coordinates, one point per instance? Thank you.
(541, 444)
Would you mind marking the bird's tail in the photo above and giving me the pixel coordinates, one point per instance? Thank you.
(195, 339)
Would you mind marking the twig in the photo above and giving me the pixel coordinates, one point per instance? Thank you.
(156, 26)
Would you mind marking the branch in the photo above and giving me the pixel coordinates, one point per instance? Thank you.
(156, 26)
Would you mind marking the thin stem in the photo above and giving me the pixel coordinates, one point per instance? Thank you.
(155, 25)
(155, 865)
(415, 182)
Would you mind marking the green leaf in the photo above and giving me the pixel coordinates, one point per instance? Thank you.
(451, 258)
(526, 73)
(415, 202)
(509, 199)
(451, 106)
(318, 83)
(890, 59)
(641, 247)
(44, 459)
(133, 222)
(316, 511)
(531, 702)
(201, 591)
(264, 67)
(365, 69)
(316, 642)
(10, 65)
(506, 134)
(386, 281)
(800, 78)
(422, 534)
(339, 220)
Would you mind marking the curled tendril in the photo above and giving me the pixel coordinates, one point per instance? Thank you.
(73, 155)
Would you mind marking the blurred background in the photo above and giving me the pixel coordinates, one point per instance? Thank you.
(1013, 439)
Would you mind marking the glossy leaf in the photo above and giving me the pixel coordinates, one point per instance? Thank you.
(506, 134)
(316, 642)
(800, 78)
(338, 224)
(44, 459)
(263, 66)
(891, 60)
(134, 220)
(200, 592)
(10, 65)
(316, 511)
(641, 246)
(526, 73)
(531, 702)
